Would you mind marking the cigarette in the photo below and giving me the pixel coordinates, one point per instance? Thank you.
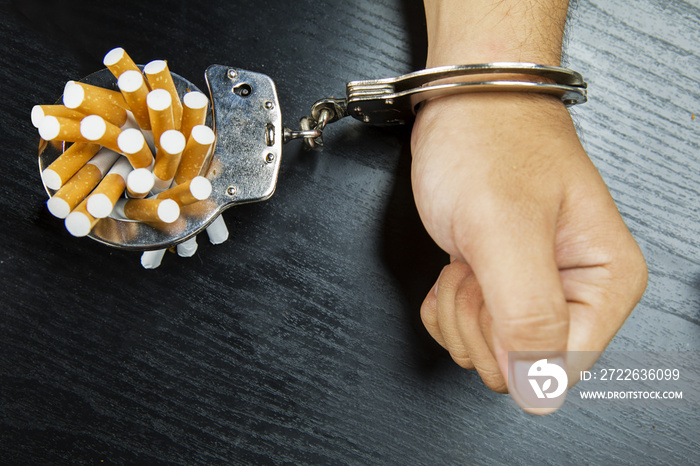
(159, 77)
(217, 231)
(68, 164)
(194, 111)
(160, 112)
(134, 89)
(132, 144)
(118, 61)
(139, 183)
(130, 121)
(40, 111)
(172, 143)
(61, 129)
(149, 210)
(187, 248)
(152, 259)
(80, 185)
(197, 189)
(195, 154)
(93, 100)
(101, 202)
(79, 222)
(94, 128)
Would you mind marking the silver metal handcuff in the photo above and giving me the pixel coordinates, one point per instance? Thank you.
(247, 120)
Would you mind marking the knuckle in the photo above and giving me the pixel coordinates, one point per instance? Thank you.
(428, 314)
(453, 275)
(462, 360)
(639, 273)
(533, 330)
(632, 268)
(493, 379)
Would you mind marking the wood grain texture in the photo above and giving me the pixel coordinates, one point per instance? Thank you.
(299, 341)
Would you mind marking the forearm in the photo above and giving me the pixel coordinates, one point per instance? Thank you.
(481, 31)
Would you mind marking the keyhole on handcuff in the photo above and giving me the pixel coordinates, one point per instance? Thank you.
(243, 90)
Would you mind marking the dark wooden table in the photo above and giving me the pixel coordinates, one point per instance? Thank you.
(299, 339)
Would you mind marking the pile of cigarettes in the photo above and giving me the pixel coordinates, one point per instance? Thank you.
(110, 170)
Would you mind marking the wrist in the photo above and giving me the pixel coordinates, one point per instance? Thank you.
(477, 31)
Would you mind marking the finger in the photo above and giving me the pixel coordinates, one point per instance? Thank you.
(516, 268)
(428, 315)
(474, 326)
(449, 282)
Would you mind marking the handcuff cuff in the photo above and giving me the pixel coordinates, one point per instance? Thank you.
(247, 120)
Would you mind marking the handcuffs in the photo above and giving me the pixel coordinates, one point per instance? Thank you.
(247, 120)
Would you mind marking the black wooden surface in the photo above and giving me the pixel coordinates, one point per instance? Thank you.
(299, 339)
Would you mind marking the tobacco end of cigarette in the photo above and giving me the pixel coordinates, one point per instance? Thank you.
(92, 127)
(78, 224)
(49, 127)
(52, 180)
(195, 100)
(130, 81)
(200, 187)
(99, 205)
(58, 207)
(203, 134)
(168, 211)
(152, 259)
(140, 181)
(113, 56)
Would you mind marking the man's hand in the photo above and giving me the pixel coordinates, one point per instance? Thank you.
(541, 259)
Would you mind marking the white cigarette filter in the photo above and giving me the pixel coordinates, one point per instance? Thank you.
(79, 222)
(132, 143)
(160, 112)
(194, 111)
(139, 183)
(79, 186)
(40, 111)
(196, 151)
(159, 77)
(68, 164)
(60, 129)
(96, 129)
(187, 248)
(152, 259)
(148, 210)
(134, 89)
(94, 100)
(102, 200)
(197, 189)
(172, 143)
(118, 62)
(217, 231)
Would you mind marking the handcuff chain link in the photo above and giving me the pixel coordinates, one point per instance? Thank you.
(323, 112)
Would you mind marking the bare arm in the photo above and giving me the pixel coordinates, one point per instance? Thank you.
(541, 259)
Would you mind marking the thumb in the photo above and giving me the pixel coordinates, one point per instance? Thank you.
(517, 270)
